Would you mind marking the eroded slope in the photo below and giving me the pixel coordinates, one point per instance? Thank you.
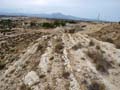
(64, 61)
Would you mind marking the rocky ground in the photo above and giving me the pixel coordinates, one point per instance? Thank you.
(61, 59)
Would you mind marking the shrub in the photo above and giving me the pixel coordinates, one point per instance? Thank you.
(77, 46)
(91, 43)
(102, 65)
(24, 87)
(47, 25)
(119, 22)
(96, 86)
(98, 47)
(32, 24)
(6, 24)
(72, 22)
(109, 40)
(66, 75)
(2, 65)
(59, 47)
(59, 23)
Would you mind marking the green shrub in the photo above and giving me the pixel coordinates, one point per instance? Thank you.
(59, 23)
(6, 24)
(47, 25)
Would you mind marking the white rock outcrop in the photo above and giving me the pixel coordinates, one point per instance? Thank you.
(31, 78)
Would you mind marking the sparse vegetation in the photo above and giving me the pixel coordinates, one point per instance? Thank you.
(6, 25)
(98, 47)
(53, 25)
(100, 62)
(95, 85)
(33, 24)
(109, 40)
(119, 22)
(71, 31)
(91, 43)
(47, 25)
(24, 87)
(77, 46)
(66, 75)
(2, 65)
(59, 48)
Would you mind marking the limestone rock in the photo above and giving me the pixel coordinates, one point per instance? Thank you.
(31, 78)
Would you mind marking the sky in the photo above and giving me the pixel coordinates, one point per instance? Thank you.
(106, 9)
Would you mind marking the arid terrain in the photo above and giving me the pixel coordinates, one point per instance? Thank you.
(42, 54)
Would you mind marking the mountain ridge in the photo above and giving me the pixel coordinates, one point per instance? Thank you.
(56, 15)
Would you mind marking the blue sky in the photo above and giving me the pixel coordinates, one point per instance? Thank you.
(108, 9)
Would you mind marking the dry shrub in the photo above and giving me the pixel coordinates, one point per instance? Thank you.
(24, 87)
(77, 46)
(95, 85)
(109, 40)
(2, 65)
(66, 75)
(59, 48)
(91, 43)
(99, 60)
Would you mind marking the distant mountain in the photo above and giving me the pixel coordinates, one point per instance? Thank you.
(49, 16)
(57, 16)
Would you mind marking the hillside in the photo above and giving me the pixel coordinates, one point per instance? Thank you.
(110, 33)
(68, 57)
